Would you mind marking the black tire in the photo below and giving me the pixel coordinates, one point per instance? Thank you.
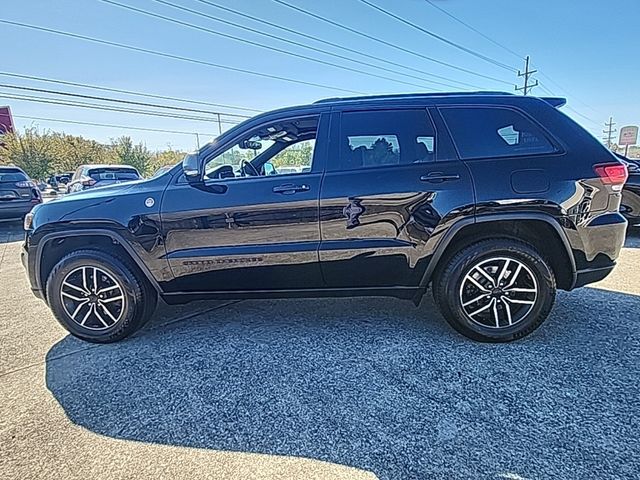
(449, 290)
(133, 312)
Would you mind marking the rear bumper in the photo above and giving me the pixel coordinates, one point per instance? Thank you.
(592, 275)
(9, 211)
(598, 248)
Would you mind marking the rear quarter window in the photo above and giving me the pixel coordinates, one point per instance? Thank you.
(486, 132)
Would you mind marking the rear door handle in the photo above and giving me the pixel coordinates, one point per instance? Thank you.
(290, 189)
(438, 177)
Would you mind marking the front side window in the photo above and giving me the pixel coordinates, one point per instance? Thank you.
(281, 148)
(386, 137)
(485, 132)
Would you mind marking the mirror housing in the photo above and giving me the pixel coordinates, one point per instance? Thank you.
(191, 168)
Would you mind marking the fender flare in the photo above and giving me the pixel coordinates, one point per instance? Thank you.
(92, 232)
(451, 233)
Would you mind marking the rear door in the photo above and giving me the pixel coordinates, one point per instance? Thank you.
(391, 187)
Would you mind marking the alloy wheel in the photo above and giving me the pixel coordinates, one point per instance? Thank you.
(498, 292)
(92, 298)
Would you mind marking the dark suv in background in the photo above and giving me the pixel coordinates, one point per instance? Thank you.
(18, 194)
(494, 200)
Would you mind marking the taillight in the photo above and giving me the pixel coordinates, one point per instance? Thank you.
(26, 184)
(614, 174)
(88, 182)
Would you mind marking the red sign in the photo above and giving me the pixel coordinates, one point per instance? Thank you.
(6, 121)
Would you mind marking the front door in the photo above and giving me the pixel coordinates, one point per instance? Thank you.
(391, 186)
(254, 225)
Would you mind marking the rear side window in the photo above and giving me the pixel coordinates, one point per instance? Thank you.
(494, 132)
(12, 176)
(113, 174)
(384, 138)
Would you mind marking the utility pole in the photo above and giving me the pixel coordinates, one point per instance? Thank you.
(610, 132)
(526, 74)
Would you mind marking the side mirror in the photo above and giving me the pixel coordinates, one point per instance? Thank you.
(191, 168)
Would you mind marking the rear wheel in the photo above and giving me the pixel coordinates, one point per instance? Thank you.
(495, 290)
(99, 297)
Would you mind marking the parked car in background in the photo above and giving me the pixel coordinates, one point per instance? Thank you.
(59, 179)
(18, 194)
(492, 199)
(630, 206)
(92, 176)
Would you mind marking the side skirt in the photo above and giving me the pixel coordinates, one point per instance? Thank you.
(406, 293)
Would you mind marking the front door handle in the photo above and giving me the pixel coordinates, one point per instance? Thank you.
(290, 189)
(438, 177)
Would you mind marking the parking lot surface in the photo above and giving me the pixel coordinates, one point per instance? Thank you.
(322, 389)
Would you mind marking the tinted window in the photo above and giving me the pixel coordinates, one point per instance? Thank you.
(113, 174)
(494, 132)
(382, 138)
(12, 176)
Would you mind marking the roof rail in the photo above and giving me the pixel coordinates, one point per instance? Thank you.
(410, 95)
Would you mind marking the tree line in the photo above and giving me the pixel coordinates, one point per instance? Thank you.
(44, 153)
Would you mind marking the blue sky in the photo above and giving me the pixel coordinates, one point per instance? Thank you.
(586, 51)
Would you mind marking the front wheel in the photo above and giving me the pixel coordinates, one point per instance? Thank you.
(98, 297)
(495, 290)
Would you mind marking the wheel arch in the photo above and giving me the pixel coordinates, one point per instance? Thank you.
(542, 231)
(61, 243)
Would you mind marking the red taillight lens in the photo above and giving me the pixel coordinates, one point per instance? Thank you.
(612, 173)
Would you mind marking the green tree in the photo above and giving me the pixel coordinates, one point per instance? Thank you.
(32, 151)
(137, 155)
(165, 157)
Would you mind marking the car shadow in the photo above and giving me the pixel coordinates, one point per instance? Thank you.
(375, 384)
(11, 231)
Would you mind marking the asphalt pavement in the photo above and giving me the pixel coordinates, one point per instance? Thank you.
(328, 389)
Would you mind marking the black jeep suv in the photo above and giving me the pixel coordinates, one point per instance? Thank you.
(494, 200)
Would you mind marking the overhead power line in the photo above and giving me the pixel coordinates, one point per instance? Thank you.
(439, 37)
(260, 45)
(566, 92)
(35, 99)
(175, 57)
(389, 44)
(126, 92)
(569, 107)
(117, 100)
(109, 125)
(331, 44)
(472, 28)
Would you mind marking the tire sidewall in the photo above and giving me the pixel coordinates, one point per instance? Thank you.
(129, 284)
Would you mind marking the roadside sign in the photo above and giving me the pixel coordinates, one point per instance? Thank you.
(628, 135)
(6, 122)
